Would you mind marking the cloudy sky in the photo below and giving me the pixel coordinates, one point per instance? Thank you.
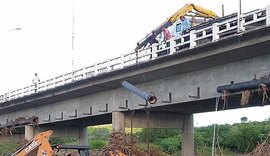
(102, 29)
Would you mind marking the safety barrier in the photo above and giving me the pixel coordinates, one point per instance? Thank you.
(194, 38)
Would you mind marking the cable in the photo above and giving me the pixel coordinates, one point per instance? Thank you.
(214, 132)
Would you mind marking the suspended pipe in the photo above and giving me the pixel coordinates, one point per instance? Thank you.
(147, 96)
(243, 86)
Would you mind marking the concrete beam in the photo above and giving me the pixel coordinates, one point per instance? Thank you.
(156, 120)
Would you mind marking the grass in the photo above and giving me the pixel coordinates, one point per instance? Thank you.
(6, 149)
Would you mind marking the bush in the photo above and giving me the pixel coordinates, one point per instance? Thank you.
(101, 133)
(170, 145)
(63, 140)
(97, 144)
(156, 135)
(244, 137)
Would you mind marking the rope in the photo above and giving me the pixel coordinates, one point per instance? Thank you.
(214, 132)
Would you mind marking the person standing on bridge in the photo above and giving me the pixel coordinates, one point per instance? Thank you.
(36, 81)
(185, 26)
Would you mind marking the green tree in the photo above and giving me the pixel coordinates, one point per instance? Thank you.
(244, 119)
(244, 137)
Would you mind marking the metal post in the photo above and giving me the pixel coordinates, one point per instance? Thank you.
(172, 44)
(239, 25)
(154, 51)
(192, 39)
(215, 32)
(268, 15)
(222, 10)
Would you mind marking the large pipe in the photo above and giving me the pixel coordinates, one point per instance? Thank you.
(147, 96)
(243, 86)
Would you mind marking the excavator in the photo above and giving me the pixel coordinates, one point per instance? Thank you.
(188, 8)
(40, 144)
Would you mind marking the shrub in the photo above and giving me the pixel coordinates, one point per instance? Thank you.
(170, 145)
(97, 144)
(101, 133)
(62, 140)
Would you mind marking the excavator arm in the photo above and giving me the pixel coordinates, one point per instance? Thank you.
(199, 11)
(40, 141)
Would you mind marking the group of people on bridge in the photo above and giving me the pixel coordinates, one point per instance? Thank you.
(179, 28)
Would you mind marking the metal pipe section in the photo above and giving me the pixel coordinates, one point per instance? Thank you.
(243, 86)
(147, 96)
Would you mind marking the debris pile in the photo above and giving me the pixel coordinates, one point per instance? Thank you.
(123, 144)
(262, 149)
(20, 121)
(120, 143)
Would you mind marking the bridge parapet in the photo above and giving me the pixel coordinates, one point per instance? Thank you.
(207, 34)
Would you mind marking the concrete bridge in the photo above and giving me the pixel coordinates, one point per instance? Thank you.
(184, 80)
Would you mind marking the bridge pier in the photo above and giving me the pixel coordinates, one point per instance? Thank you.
(29, 132)
(83, 136)
(188, 135)
(122, 120)
(118, 121)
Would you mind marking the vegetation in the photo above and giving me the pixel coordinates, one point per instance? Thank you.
(231, 140)
(7, 148)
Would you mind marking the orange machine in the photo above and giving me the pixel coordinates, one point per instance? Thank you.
(116, 153)
(40, 142)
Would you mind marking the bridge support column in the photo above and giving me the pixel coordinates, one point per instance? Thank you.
(188, 135)
(29, 132)
(83, 136)
(118, 121)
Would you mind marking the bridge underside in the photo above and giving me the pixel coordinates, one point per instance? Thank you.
(227, 50)
(232, 101)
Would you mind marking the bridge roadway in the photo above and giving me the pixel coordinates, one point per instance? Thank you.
(97, 100)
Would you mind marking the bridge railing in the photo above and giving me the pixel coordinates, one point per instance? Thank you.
(194, 38)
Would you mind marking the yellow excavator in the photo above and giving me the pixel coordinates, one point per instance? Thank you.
(40, 146)
(39, 142)
(188, 8)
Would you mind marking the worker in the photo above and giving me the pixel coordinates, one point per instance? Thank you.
(181, 27)
(151, 41)
(185, 26)
(152, 38)
(166, 33)
(36, 81)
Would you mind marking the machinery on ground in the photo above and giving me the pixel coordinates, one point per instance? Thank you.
(40, 144)
(78, 150)
(188, 8)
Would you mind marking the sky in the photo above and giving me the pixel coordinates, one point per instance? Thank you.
(103, 29)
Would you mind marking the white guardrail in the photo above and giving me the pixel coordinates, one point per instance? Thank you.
(211, 33)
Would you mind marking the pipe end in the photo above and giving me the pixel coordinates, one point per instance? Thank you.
(152, 99)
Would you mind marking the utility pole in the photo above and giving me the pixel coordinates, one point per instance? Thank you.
(72, 40)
